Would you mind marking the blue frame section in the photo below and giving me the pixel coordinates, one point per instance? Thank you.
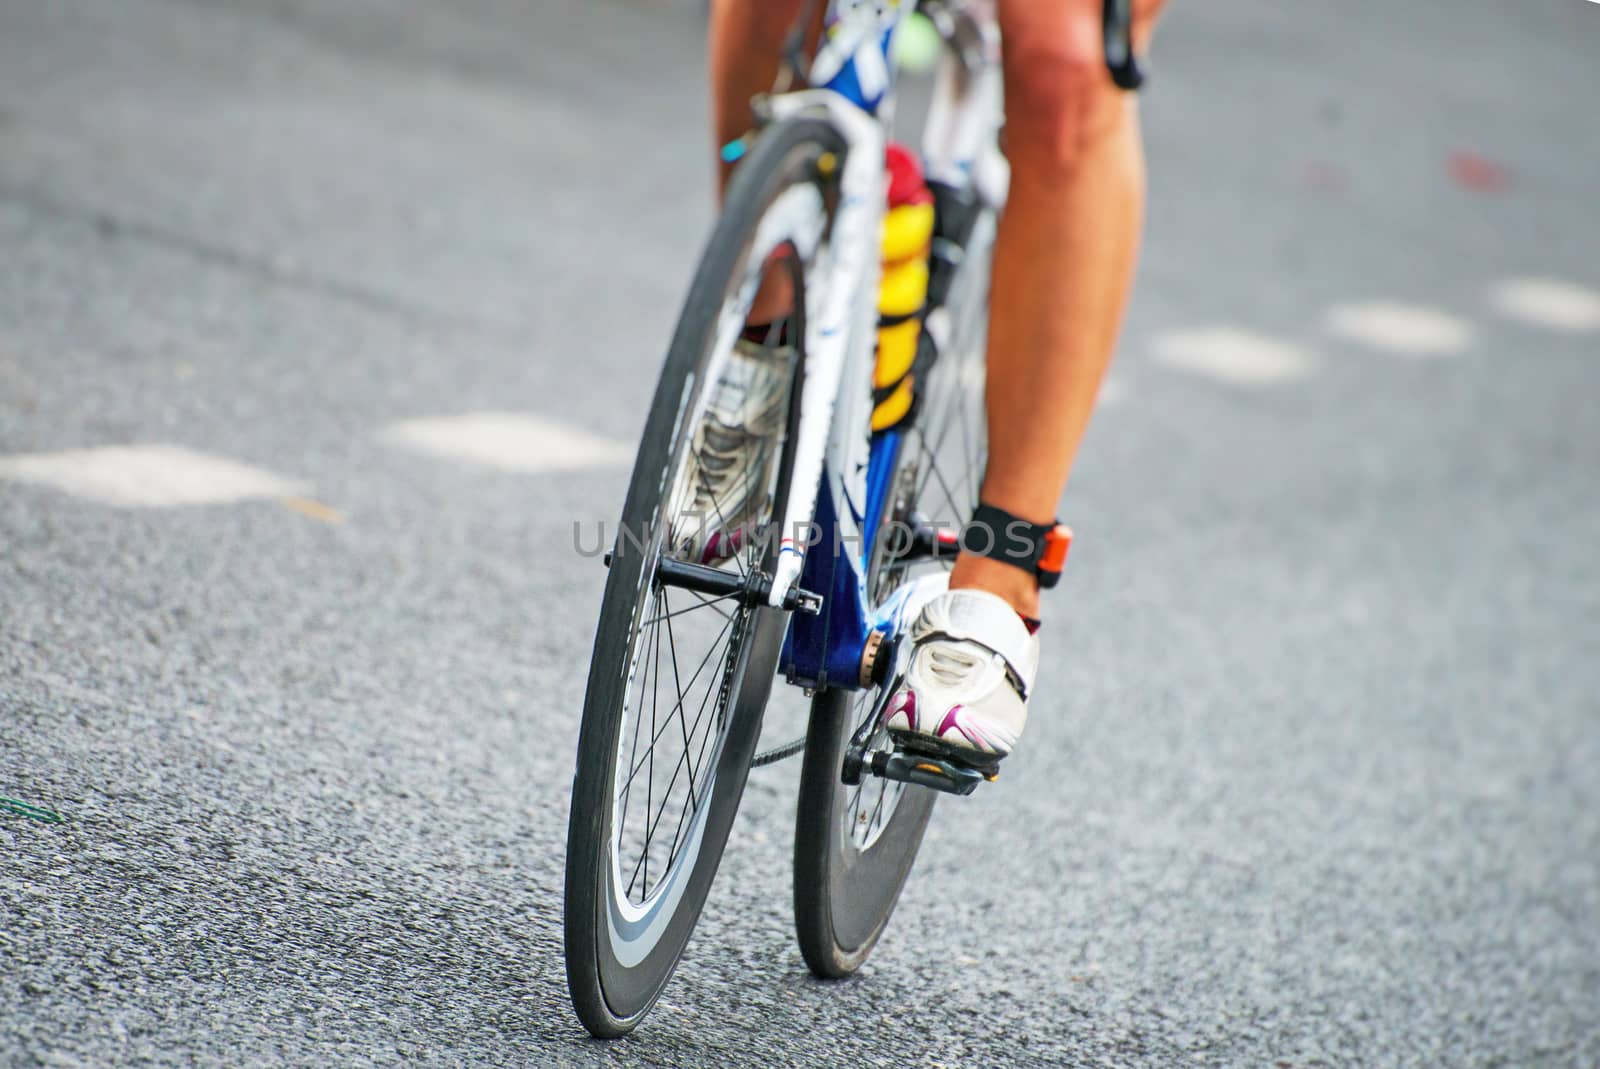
(847, 83)
(881, 465)
(825, 650)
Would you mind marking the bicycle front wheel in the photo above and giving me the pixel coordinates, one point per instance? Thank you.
(679, 678)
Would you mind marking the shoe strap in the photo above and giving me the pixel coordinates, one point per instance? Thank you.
(988, 622)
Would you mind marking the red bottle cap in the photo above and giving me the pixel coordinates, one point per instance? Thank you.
(906, 184)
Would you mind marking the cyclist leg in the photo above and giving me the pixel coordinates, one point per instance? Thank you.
(1063, 265)
(1065, 253)
(1063, 260)
(725, 486)
(746, 45)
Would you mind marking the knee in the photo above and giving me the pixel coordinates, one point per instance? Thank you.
(1060, 100)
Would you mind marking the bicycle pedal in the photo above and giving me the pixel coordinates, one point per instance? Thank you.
(941, 773)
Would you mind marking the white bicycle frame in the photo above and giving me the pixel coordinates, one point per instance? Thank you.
(959, 148)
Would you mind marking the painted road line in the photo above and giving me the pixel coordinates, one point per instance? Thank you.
(148, 476)
(316, 510)
(1549, 303)
(1233, 355)
(1412, 330)
(510, 441)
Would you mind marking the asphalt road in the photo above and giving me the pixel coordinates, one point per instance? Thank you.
(1313, 777)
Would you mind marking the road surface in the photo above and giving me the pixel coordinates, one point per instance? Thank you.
(379, 290)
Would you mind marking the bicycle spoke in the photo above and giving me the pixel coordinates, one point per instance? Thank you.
(872, 821)
(930, 452)
(854, 808)
(703, 662)
(685, 814)
(717, 506)
(672, 646)
(704, 603)
(971, 454)
(652, 825)
(710, 603)
(659, 800)
(949, 495)
(861, 783)
(716, 654)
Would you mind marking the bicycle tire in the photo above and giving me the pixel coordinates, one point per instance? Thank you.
(846, 885)
(618, 964)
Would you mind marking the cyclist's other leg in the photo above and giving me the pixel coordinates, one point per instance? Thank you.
(1063, 263)
(1063, 260)
(746, 46)
(725, 488)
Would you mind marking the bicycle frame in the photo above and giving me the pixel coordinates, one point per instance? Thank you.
(842, 475)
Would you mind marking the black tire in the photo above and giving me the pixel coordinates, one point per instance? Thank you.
(851, 859)
(617, 963)
(843, 897)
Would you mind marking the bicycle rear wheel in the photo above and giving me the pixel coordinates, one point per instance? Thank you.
(855, 844)
(679, 679)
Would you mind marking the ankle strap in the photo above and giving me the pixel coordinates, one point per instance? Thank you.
(1039, 549)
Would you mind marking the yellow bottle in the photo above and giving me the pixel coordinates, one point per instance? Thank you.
(907, 232)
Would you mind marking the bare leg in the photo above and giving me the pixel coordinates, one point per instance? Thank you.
(747, 39)
(1063, 263)
(1065, 253)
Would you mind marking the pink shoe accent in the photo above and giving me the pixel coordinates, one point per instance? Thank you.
(949, 721)
(971, 732)
(903, 704)
(722, 545)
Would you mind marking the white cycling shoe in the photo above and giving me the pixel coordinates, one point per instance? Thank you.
(965, 693)
(725, 488)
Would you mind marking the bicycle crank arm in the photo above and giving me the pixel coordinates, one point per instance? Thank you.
(939, 771)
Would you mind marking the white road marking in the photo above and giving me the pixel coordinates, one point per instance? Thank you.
(316, 510)
(1400, 328)
(148, 476)
(1233, 355)
(1549, 303)
(510, 441)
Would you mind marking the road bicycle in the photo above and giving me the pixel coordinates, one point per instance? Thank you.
(858, 522)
